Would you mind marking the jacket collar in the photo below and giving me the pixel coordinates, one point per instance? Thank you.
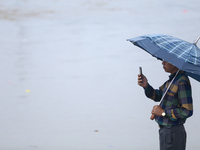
(172, 75)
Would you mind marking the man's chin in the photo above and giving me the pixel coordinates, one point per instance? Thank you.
(166, 70)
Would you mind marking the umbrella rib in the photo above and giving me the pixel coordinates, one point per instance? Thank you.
(196, 56)
(177, 45)
(184, 53)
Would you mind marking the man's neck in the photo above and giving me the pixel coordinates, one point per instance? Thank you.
(174, 71)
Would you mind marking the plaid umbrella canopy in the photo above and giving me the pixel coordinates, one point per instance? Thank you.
(182, 54)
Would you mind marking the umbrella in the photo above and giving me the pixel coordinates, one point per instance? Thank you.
(182, 54)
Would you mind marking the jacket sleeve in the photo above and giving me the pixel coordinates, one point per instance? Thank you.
(154, 94)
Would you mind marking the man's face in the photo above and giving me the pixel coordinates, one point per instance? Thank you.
(169, 67)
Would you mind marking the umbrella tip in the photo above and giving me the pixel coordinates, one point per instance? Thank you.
(197, 40)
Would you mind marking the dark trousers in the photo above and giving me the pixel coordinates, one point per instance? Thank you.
(173, 138)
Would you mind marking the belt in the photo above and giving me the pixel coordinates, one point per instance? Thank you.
(161, 126)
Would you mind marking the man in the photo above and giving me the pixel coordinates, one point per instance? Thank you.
(174, 109)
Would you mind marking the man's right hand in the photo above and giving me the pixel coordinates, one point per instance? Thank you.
(142, 81)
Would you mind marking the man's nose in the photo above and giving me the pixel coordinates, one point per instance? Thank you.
(163, 62)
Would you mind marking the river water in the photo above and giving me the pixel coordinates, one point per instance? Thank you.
(69, 77)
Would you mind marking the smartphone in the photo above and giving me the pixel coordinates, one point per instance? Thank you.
(141, 71)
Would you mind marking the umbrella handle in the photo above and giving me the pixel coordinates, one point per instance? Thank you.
(152, 117)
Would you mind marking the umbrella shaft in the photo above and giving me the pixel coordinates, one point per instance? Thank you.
(197, 40)
(168, 87)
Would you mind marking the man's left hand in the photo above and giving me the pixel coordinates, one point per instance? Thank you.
(157, 110)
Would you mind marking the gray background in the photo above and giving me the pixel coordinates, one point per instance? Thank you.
(69, 77)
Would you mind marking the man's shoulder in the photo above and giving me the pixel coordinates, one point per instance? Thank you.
(182, 78)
